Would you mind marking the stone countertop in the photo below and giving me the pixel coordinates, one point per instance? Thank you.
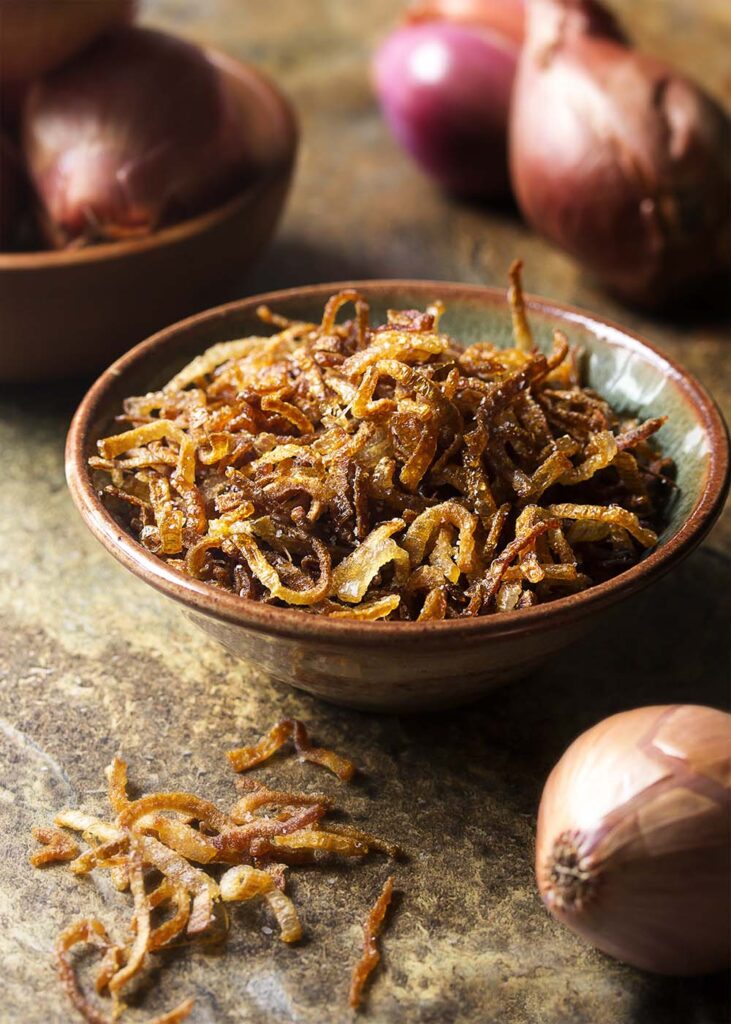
(93, 663)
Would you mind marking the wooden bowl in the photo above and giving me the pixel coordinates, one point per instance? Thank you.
(72, 311)
(410, 666)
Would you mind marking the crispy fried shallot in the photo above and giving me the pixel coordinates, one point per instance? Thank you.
(153, 847)
(330, 466)
(244, 758)
(371, 955)
(57, 846)
(243, 883)
(257, 796)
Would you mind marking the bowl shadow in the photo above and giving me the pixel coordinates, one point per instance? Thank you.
(665, 645)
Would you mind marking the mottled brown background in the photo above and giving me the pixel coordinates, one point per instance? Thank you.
(93, 663)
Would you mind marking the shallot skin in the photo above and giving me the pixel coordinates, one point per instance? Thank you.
(633, 847)
(619, 159)
(140, 131)
(445, 92)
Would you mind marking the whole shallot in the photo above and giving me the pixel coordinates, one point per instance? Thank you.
(633, 850)
(618, 158)
(140, 131)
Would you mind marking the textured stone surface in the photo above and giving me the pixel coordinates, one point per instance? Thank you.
(93, 663)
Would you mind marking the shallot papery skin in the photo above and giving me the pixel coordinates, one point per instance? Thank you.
(445, 92)
(633, 850)
(618, 158)
(140, 131)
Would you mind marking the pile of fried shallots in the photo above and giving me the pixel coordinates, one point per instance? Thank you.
(184, 857)
(385, 472)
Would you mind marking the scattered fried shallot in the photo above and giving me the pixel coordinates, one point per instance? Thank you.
(371, 956)
(290, 728)
(57, 846)
(208, 858)
(371, 473)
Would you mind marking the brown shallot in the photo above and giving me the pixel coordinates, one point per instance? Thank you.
(633, 850)
(618, 158)
(115, 152)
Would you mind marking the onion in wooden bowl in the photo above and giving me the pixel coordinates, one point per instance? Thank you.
(71, 311)
(115, 152)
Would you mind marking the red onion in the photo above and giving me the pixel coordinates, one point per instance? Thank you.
(140, 131)
(617, 158)
(445, 92)
(39, 35)
(505, 17)
(633, 850)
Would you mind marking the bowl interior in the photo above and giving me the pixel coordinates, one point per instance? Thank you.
(635, 379)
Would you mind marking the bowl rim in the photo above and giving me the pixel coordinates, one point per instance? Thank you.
(222, 605)
(173, 234)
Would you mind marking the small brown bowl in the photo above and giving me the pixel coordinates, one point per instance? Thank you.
(407, 666)
(71, 311)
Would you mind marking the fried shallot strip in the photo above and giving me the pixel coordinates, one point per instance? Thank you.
(258, 796)
(244, 883)
(166, 892)
(521, 328)
(244, 758)
(137, 953)
(371, 955)
(116, 774)
(322, 840)
(87, 930)
(57, 846)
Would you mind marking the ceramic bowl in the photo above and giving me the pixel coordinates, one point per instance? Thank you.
(394, 666)
(72, 311)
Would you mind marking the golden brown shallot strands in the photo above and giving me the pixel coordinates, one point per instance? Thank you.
(290, 728)
(369, 473)
(58, 846)
(371, 954)
(203, 859)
